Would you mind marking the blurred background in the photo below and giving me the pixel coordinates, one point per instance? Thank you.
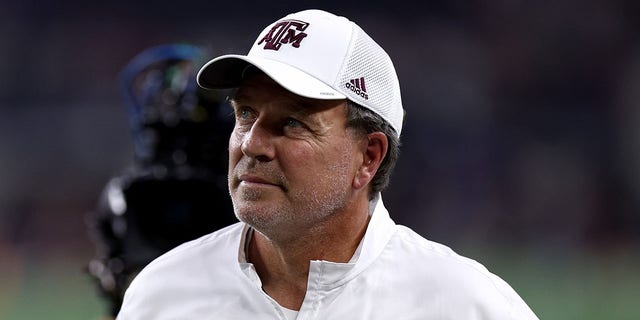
(521, 147)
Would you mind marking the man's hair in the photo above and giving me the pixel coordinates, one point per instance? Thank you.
(365, 121)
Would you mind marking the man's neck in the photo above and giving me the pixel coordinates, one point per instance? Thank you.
(283, 266)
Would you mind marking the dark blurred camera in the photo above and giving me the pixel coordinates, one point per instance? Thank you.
(176, 190)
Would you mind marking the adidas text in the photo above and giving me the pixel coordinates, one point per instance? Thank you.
(358, 91)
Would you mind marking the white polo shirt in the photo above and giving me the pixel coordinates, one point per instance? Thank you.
(394, 274)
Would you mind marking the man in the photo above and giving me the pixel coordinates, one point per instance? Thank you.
(318, 119)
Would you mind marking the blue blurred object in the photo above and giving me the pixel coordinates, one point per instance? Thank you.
(174, 123)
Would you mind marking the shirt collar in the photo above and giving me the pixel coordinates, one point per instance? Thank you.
(379, 231)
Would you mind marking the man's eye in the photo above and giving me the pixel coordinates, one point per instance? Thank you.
(244, 114)
(293, 123)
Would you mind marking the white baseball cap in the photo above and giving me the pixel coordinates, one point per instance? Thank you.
(318, 55)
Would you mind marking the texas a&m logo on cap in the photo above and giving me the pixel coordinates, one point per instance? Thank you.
(283, 32)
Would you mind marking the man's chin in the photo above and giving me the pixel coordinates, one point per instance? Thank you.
(261, 221)
(254, 211)
(256, 192)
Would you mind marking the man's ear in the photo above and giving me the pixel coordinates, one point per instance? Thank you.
(375, 147)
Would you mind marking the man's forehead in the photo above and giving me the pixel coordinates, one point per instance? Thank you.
(259, 84)
(260, 87)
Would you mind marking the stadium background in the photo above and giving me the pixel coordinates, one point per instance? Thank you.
(521, 144)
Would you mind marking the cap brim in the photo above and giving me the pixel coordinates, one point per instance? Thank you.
(226, 72)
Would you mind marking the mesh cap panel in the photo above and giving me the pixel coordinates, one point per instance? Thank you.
(369, 78)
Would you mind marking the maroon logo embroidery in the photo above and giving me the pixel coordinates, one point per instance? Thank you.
(285, 32)
(357, 86)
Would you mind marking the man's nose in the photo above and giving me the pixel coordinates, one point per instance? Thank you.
(258, 143)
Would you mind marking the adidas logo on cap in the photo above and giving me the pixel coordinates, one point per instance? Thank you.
(358, 86)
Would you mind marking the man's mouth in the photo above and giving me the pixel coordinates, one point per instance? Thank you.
(255, 180)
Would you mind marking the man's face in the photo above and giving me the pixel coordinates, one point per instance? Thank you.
(291, 159)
